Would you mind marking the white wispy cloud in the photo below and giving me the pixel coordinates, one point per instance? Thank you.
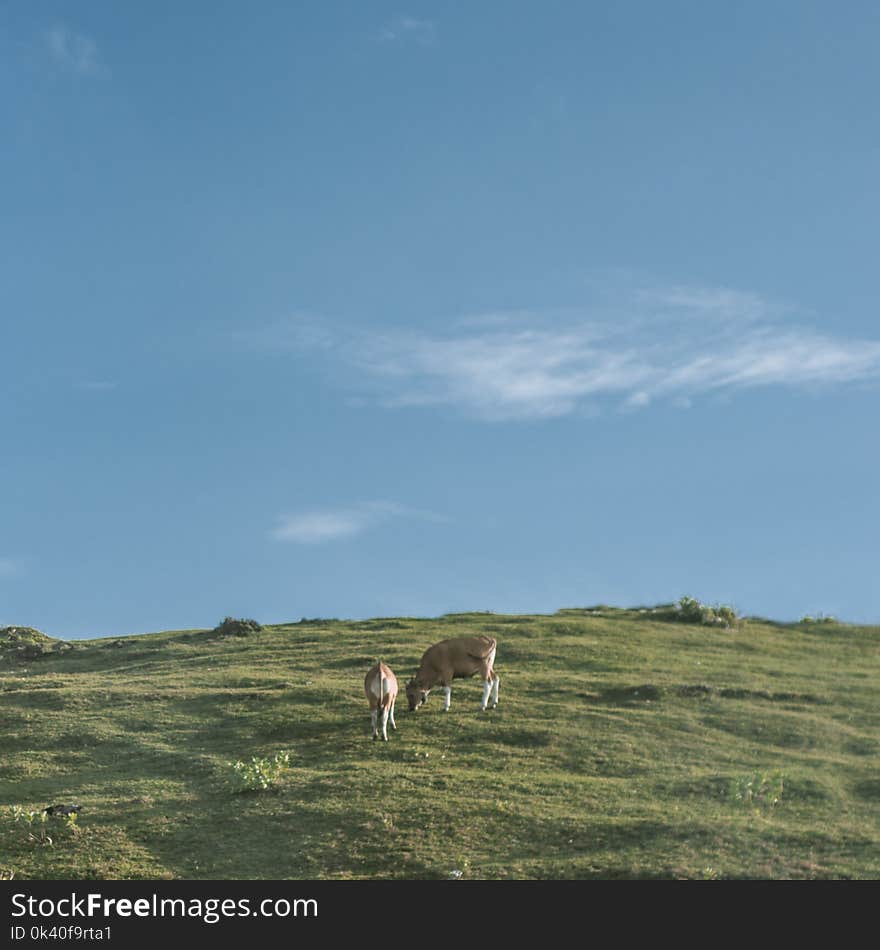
(317, 526)
(711, 303)
(506, 373)
(672, 344)
(408, 28)
(75, 52)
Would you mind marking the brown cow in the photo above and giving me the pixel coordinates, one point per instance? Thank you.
(380, 687)
(452, 659)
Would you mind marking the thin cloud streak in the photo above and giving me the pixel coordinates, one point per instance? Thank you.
(674, 344)
(404, 28)
(499, 375)
(318, 526)
(707, 303)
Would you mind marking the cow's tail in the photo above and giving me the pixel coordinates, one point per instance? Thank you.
(491, 647)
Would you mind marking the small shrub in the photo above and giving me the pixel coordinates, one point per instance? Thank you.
(690, 610)
(759, 790)
(36, 824)
(259, 775)
(237, 627)
(819, 618)
(24, 815)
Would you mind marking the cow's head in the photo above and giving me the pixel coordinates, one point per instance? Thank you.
(415, 695)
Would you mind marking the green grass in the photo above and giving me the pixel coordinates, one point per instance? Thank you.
(624, 746)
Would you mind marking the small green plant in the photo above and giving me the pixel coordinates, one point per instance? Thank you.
(759, 790)
(36, 823)
(237, 627)
(726, 615)
(259, 775)
(690, 610)
(819, 618)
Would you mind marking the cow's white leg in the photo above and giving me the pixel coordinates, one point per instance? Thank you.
(447, 697)
(487, 686)
(373, 716)
(385, 723)
(495, 686)
(391, 716)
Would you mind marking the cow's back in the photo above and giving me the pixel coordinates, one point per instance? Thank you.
(456, 651)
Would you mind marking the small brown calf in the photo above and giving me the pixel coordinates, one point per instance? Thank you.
(380, 687)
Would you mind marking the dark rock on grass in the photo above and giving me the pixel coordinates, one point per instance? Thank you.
(646, 692)
(63, 810)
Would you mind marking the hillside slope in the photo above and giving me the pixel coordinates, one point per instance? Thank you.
(623, 746)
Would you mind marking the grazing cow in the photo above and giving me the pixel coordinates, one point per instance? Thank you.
(380, 686)
(453, 659)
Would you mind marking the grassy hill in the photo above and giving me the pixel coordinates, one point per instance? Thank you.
(624, 745)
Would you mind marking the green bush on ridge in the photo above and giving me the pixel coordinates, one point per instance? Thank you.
(690, 610)
(237, 627)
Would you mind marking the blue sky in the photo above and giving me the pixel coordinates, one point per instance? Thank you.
(346, 309)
